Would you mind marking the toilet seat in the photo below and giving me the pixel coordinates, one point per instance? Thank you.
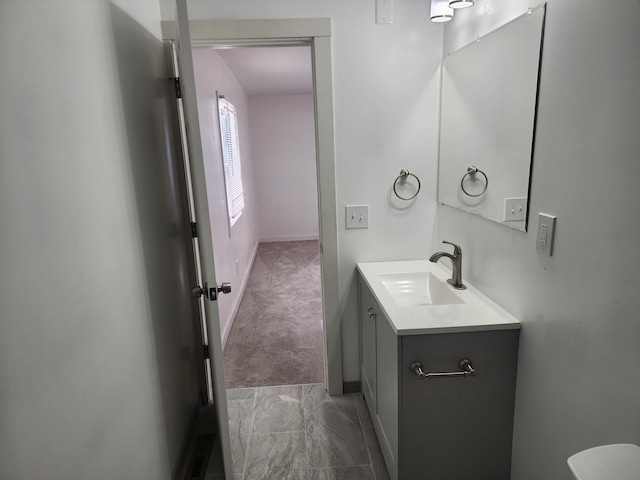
(618, 461)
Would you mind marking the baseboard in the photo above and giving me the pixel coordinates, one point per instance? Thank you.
(351, 387)
(188, 443)
(289, 238)
(245, 280)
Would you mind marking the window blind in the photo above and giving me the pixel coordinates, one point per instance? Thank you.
(231, 158)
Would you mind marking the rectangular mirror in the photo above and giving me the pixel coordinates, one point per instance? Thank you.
(487, 121)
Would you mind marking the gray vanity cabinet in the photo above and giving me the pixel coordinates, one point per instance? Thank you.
(453, 428)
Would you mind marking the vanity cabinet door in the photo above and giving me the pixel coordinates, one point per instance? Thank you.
(459, 428)
(368, 310)
(379, 347)
(387, 412)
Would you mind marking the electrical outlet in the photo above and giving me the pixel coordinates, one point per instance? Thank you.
(546, 230)
(515, 209)
(357, 216)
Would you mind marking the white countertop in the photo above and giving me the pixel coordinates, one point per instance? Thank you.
(476, 313)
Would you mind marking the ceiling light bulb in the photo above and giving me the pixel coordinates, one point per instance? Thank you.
(461, 3)
(440, 11)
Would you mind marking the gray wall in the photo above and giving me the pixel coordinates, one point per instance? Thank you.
(93, 367)
(578, 381)
(97, 373)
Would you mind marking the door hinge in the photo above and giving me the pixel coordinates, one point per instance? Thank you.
(176, 83)
(205, 350)
(194, 230)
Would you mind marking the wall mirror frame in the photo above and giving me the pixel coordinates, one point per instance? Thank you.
(489, 103)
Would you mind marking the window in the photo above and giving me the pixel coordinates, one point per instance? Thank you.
(231, 159)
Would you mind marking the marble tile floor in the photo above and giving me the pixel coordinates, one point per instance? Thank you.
(299, 432)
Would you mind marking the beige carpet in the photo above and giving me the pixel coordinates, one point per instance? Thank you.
(276, 337)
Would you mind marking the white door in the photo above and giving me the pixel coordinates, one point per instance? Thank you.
(208, 285)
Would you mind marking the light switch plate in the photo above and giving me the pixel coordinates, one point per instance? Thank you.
(546, 230)
(357, 216)
(515, 209)
(384, 12)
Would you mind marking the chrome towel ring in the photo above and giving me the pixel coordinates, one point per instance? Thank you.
(404, 174)
(471, 172)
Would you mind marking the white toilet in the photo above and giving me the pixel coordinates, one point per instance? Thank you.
(607, 462)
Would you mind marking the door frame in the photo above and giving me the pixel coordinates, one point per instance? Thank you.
(315, 32)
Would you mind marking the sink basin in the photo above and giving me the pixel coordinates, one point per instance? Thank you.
(417, 300)
(412, 289)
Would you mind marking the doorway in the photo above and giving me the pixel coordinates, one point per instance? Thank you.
(315, 32)
(274, 335)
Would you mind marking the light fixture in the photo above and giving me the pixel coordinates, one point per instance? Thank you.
(461, 3)
(441, 11)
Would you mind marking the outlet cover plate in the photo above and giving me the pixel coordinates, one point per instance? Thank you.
(357, 216)
(546, 230)
(515, 209)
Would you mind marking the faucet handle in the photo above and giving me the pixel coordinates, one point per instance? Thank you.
(456, 248)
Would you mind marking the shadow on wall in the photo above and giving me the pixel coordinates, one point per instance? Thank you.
(157, 176)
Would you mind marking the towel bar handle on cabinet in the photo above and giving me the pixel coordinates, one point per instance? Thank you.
(466, 370)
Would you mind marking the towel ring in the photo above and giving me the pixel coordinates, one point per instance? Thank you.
(471, 171)
(404, 173)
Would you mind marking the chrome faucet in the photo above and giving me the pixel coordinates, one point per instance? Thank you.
(456, 263)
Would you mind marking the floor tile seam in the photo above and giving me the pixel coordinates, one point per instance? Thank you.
(273, 398)
(357, 423)
(342, 466)
(284, 386)
(253, 418)
(306, 438)
(229, 400)
(335, 429)
(314, 394)
(355, 411)
(364, 437)
(351, 456)
(255, 434)
(240, 400)
(302, 385)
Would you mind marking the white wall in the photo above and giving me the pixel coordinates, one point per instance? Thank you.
(386, 94)
(578, 381)
(283, 146)
(233, 251)
(97, 372)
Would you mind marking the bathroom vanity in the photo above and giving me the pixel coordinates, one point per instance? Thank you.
(430, 426)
